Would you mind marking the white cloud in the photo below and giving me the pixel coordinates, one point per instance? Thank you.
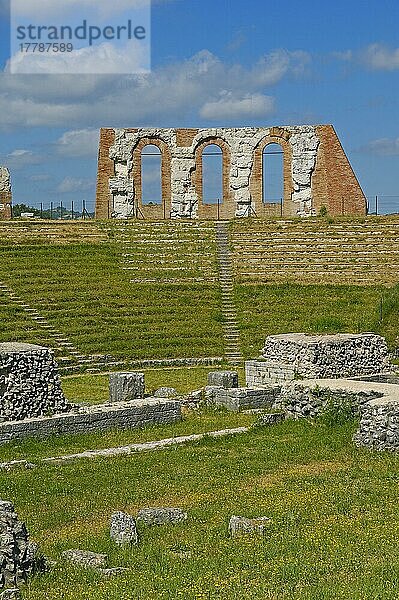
(40, 177)
(21, 158)
(104, 59)
(72, 184)
(377, 57)
(382, 147)
(172, 92)
(229, 107)
(79, 142)
(381, 58)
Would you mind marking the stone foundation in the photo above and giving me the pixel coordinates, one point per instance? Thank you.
(309, 399)
(29, 383)
(126, 415)
(379, 425)
(326, 356)
(236, 399)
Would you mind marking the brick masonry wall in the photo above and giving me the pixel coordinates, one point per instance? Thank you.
(316, 172)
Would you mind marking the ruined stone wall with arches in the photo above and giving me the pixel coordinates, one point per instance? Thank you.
(315, 173)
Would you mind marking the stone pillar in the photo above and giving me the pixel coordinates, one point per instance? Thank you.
(126, 386)
(29, 382)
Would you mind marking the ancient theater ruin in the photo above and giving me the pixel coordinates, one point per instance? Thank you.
(316, 173)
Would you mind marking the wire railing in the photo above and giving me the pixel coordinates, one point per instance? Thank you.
(75, 209)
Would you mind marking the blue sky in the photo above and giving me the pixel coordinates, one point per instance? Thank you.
(217, 63)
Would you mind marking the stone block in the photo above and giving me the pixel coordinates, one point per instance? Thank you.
(259, 373)
(126, 386)
(161, 516)
(10, 594)
(225, 379)
(85, 558)
(270, 418)
(165, 392)
(123, 529)
(242, 525)
(236, 399)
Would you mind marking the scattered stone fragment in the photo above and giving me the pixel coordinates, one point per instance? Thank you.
(85, 558)
(123, 529)
(243, 525)
(270, 418)
(126, 386)
(10, 594)
(112, 571)
(225, 379)
(165, 392)
(161, 516)
(14, 464)
(19, 558)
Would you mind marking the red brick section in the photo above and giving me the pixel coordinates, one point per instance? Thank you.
(5, 206)
(106, 170)
(185, 137)
(334, 183)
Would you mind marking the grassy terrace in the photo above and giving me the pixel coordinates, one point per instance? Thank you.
(332, 535)
(85, 290)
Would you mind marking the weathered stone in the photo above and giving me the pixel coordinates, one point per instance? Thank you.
(19, 558)
(161, 516)
(29, 382)
(10, 594)
(243, 525)
(123, 529)
(236, 399)
(126, 386)
(113, 571)
(100, 417)
(325, 356)
(225, 379)
(85, 558)
(270, 418)
(165, 392)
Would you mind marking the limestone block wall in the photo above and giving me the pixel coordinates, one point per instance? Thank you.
(29, 382)
(316, 172)
(324, 356)
(5, 193)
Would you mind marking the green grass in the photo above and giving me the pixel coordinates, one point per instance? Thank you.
(333, 509)
(93, 389)
(270, 309)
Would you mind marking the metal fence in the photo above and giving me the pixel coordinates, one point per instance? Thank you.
(382, 205)
(76, 209)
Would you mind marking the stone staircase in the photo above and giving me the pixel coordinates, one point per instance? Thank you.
(230, 327)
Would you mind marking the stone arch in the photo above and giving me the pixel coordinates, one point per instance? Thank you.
(210, 211)
(156, 211)
(279, 136)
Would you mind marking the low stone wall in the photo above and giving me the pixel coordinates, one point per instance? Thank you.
(379, 425)
(307, 400)
(29, 382)
(324, 356)
(262, 372)
(126, 415)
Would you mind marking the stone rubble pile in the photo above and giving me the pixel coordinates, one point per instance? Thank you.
(19, 558)
(299, 401)
(29, 383)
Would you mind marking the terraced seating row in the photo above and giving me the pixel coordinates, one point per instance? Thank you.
(315, 251)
